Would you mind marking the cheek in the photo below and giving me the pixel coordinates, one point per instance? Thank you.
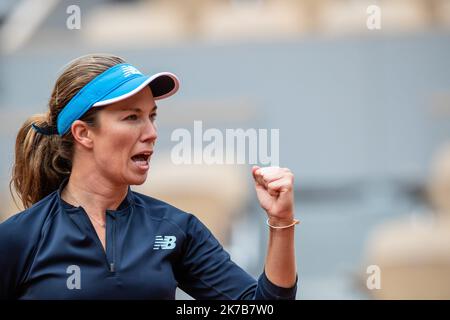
(117, 148)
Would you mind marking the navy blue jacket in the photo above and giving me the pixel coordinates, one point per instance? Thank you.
(51, 251)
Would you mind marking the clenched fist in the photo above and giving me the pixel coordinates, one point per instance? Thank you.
(274, 189)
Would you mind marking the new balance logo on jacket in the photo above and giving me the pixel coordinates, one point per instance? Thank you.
(164, 242)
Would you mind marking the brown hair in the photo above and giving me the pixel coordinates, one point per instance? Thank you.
(42, 162)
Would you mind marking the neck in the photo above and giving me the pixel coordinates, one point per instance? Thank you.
(93, 193)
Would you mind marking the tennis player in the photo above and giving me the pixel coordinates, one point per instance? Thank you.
(85, 235)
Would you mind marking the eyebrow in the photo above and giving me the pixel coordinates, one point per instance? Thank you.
(137, 109)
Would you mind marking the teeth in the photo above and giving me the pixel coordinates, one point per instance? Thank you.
(141, 158)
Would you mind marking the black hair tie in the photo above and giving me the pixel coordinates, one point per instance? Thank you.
(47, 130)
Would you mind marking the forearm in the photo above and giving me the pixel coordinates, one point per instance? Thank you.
(280, 265)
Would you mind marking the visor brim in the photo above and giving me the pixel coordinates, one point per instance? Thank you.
(163, 85)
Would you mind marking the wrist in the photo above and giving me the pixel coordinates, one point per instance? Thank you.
(284, 218)
(280, 222)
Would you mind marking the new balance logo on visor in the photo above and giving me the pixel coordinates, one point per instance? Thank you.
(164, 242)
(129, 70)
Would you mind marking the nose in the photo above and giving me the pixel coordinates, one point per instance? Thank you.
(149, 132)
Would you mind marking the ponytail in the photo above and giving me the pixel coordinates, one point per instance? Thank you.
(39, 168)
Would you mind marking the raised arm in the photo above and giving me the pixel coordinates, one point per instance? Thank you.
(274, 189)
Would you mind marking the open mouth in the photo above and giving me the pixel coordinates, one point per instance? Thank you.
(142, 159)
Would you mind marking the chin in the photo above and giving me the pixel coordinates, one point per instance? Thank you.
(136, 181)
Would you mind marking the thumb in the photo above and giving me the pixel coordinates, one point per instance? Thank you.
(254, 170)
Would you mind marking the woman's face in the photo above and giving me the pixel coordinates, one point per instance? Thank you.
(125, 138)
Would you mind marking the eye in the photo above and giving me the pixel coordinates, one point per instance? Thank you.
(153, 117)
(131, 117)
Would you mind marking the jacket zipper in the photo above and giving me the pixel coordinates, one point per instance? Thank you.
(113, 243)
(110, 263)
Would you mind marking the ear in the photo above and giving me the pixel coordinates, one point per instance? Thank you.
(82, 133)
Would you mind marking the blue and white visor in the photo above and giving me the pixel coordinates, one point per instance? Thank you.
(115, 84)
